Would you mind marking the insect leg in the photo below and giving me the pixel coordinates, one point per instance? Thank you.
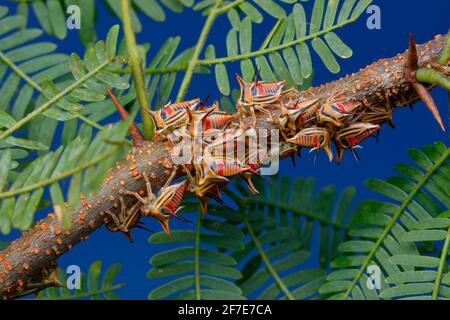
(169, 180)
(148, 185)
(135, 194)
(114, 217)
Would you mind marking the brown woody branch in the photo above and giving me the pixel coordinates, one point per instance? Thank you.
(28, 259)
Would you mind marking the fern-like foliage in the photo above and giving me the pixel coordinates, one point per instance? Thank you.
(40, 71)
(90, 285)
(285, 54)
(51, 14)
(406, 237)
(84, 160)
(35, 62)
(199, 264)
(39, 93)
(165, 59)
(280, 224)
(262, 246)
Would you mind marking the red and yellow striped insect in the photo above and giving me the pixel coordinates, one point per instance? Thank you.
(309, 108)
(378, 115)
(286, 149)
(199, 122)
(125, 220)
(224, 166)
(170, 109)
(298, 113)
(207, 186)
(257, 95)
(351, 136)
(287, 119)
(337, 113)
(172, 116)
(227, 142)
(315, 138)
(165, 204)
(229, 167)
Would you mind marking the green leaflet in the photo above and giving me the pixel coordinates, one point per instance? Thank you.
(395, 234)
(91, 287)
(272, 248)
(293, 30)
(202, 266)
(80, 156)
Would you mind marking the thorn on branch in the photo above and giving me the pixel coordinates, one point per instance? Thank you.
(422, 92)
(135, 134)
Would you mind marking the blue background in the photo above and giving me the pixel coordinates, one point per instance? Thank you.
(414, 129)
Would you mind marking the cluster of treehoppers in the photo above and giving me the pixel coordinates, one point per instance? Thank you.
(306, 122)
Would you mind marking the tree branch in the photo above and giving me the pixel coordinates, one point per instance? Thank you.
(38, 248)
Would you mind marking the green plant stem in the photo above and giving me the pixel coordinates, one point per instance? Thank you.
(63, 175)
(193, 62)
(88, 294)
(181, 67)
(393, 220)
(53, 100)
(273, 49)
(430, 75)
(259, 248)
(270, 35)
(267, 262)
(38, 88)
(442, 262)
(136, 66)
(262, 51)
(229, 6)
(197, 257)
(443, 61)
(296, 211)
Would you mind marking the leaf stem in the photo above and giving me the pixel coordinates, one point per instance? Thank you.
(38, 88)
(433, 76)
(267, 262)
(258, 246)
(270, 35)
(53, 100)
(180, 67)
(88, 294)
(193, 62)
(197, 257)
(229, 6)
(63, 175)
(296, 211)
(273, 49)
(440, 271)
(394, 219)
(262, 51)
(136, 66)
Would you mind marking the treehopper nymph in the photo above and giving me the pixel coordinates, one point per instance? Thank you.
(351, 136)
(165, 204)
(257, 95)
